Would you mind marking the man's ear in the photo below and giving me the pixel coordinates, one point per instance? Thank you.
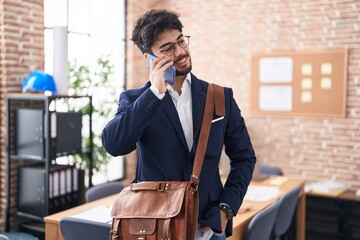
(145, 55)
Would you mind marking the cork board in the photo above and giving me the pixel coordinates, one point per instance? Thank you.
(311, 83)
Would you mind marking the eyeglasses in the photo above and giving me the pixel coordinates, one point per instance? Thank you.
(169, 49)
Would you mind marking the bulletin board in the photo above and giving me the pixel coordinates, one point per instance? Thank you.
(299, 83)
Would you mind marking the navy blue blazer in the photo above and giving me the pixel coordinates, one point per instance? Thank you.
(152, 126)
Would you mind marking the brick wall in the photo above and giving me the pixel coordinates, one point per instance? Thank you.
(21, 51)
(224, 34)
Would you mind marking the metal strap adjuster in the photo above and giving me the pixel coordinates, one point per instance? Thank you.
(161, 187)
(113, 235)
(194, 186)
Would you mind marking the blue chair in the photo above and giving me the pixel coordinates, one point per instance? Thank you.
(286, 212)
(80, 229)
(17, 236)
(103, 190)
(262, 223)
(271, 170)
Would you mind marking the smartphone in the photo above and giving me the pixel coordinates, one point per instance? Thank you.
(169, 74)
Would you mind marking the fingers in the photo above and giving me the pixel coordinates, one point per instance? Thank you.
(166, 66)
(157, 68)
(161, 64)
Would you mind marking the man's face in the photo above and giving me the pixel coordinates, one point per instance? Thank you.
(180, 57)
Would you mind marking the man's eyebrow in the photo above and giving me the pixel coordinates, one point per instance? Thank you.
(165, 44)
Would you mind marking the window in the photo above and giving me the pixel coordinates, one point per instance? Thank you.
(95, 29)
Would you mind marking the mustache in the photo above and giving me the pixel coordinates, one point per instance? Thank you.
(180, 57)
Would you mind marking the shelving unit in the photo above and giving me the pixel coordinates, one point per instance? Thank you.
(41, 129)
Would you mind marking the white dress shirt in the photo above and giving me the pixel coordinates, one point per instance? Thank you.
(183, 105)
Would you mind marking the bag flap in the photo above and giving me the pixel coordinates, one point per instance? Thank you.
(142, 226)
(150, 200)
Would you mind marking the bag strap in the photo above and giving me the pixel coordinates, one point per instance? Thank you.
(215, 99)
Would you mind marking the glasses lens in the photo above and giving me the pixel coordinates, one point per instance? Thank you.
(169, 50)
(184, 42)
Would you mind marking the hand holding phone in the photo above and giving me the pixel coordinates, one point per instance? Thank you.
(170, 72)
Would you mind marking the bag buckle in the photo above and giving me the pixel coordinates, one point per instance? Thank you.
(161, 187)
(194, 186)
(113, 235)
(194, 182)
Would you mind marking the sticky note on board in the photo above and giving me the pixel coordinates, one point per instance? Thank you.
(325, 83)
(306, 97)
(306, 83)
(306, 69)
(326, 68)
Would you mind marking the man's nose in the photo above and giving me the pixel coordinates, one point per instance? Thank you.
(178, 50)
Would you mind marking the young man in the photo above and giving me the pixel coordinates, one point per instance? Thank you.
(163, 122)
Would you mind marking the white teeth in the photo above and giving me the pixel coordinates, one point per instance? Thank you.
(181, 60)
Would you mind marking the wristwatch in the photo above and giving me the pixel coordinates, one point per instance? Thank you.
(228, 210)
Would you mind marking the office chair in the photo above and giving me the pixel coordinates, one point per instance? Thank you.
(286, 212)
(271, 170)
(17, 236)
(262, 223)
(81, 229)
(103, 190)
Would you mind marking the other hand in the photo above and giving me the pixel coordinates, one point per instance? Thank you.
(224, 221)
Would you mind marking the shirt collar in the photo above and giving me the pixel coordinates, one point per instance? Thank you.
(187, 79)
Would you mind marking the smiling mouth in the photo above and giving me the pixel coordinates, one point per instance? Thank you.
(181, 60)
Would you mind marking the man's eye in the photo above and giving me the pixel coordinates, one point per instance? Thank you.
(167, 49)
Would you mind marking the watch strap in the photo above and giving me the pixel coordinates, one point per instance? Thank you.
(227, 209)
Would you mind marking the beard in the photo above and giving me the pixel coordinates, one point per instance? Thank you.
(185, 71)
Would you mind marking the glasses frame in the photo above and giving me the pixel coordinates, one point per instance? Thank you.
(172, 46)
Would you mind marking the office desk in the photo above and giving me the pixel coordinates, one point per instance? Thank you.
(52, 227)
(52, 230)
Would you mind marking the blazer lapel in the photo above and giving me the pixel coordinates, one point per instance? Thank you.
(171, 112)
(198, 93)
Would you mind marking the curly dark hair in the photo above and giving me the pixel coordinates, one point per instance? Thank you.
(148, 27)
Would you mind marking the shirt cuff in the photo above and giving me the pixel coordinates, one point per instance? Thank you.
(156, 92)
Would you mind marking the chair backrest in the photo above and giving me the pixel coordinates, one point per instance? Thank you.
(286, 211)
(262, 223)
(103, 190)
(271, 170)
(80, 229)
(17, 235)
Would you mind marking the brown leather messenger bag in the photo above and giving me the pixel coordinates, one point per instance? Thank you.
(169, 209)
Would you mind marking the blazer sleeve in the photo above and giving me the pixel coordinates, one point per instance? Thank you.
(240, 151)
(136, 108)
